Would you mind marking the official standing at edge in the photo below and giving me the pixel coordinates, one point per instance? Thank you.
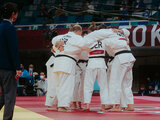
(9, 60)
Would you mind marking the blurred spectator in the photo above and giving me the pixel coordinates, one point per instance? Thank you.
(151, 90)
(43, 11)
(41, 85)
(30, 81)
(22, 81)
(143, 91)
(124, 10)
(152, 85)
(156, 81)
(139, 5)
(46, 14)
(124, 2)
(115, 18)
(149, 82)
(89, 6)
(58, 11)
(24, 73)
(155, 4)
(124, 7)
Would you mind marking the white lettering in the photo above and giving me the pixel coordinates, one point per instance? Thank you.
(155, 34)
(139, 44)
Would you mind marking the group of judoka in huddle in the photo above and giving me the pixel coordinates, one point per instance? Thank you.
(79, 59)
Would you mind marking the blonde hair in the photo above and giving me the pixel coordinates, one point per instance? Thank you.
(75, 28)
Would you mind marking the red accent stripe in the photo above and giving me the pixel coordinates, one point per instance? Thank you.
(95, 52)
(123, 39)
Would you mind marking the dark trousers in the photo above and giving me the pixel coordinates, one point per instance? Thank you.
(8, 88)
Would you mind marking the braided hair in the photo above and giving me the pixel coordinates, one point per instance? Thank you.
(101, 26)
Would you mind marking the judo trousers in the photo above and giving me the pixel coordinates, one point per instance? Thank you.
(90, 77)
(64, 88)
(127, 95)
(51, 88)
(120, 82)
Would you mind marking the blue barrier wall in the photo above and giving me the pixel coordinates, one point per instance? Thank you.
(96, 87)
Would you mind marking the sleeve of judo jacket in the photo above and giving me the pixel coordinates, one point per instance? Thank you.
(93, 37)
(115, 44)
(98, 35)
(126, 32)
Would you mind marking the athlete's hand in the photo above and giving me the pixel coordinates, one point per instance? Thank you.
(117, 30)
(52, 50)
(18, 74)
(114, 30)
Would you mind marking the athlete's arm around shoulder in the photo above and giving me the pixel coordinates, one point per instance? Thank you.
(98, 35)
(115, 43)
(79, 42)
(126, 32)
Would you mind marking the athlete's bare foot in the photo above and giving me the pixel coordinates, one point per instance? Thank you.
(87, 108)
(62, 109)
(79, 105)
(116, 108)
(123, 108)
(74, 105)
(107, 107)
(51, 108)
(130, 107)
(103, 108)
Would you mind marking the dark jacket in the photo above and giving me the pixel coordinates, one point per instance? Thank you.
(9, 55)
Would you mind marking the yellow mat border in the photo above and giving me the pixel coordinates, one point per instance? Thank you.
(24, 114)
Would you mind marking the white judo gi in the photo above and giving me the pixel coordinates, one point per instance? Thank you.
(64, 69)
(112, 43)
(96, 69)
(51, 89)
(41, 87)
(65, 64)
(101, 35)
(51, 92)
(95, 36)
(78, 94)
(120, 72)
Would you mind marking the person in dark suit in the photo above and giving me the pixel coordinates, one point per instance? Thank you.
(9, 60)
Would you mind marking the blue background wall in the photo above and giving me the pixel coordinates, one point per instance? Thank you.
(96, 87)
